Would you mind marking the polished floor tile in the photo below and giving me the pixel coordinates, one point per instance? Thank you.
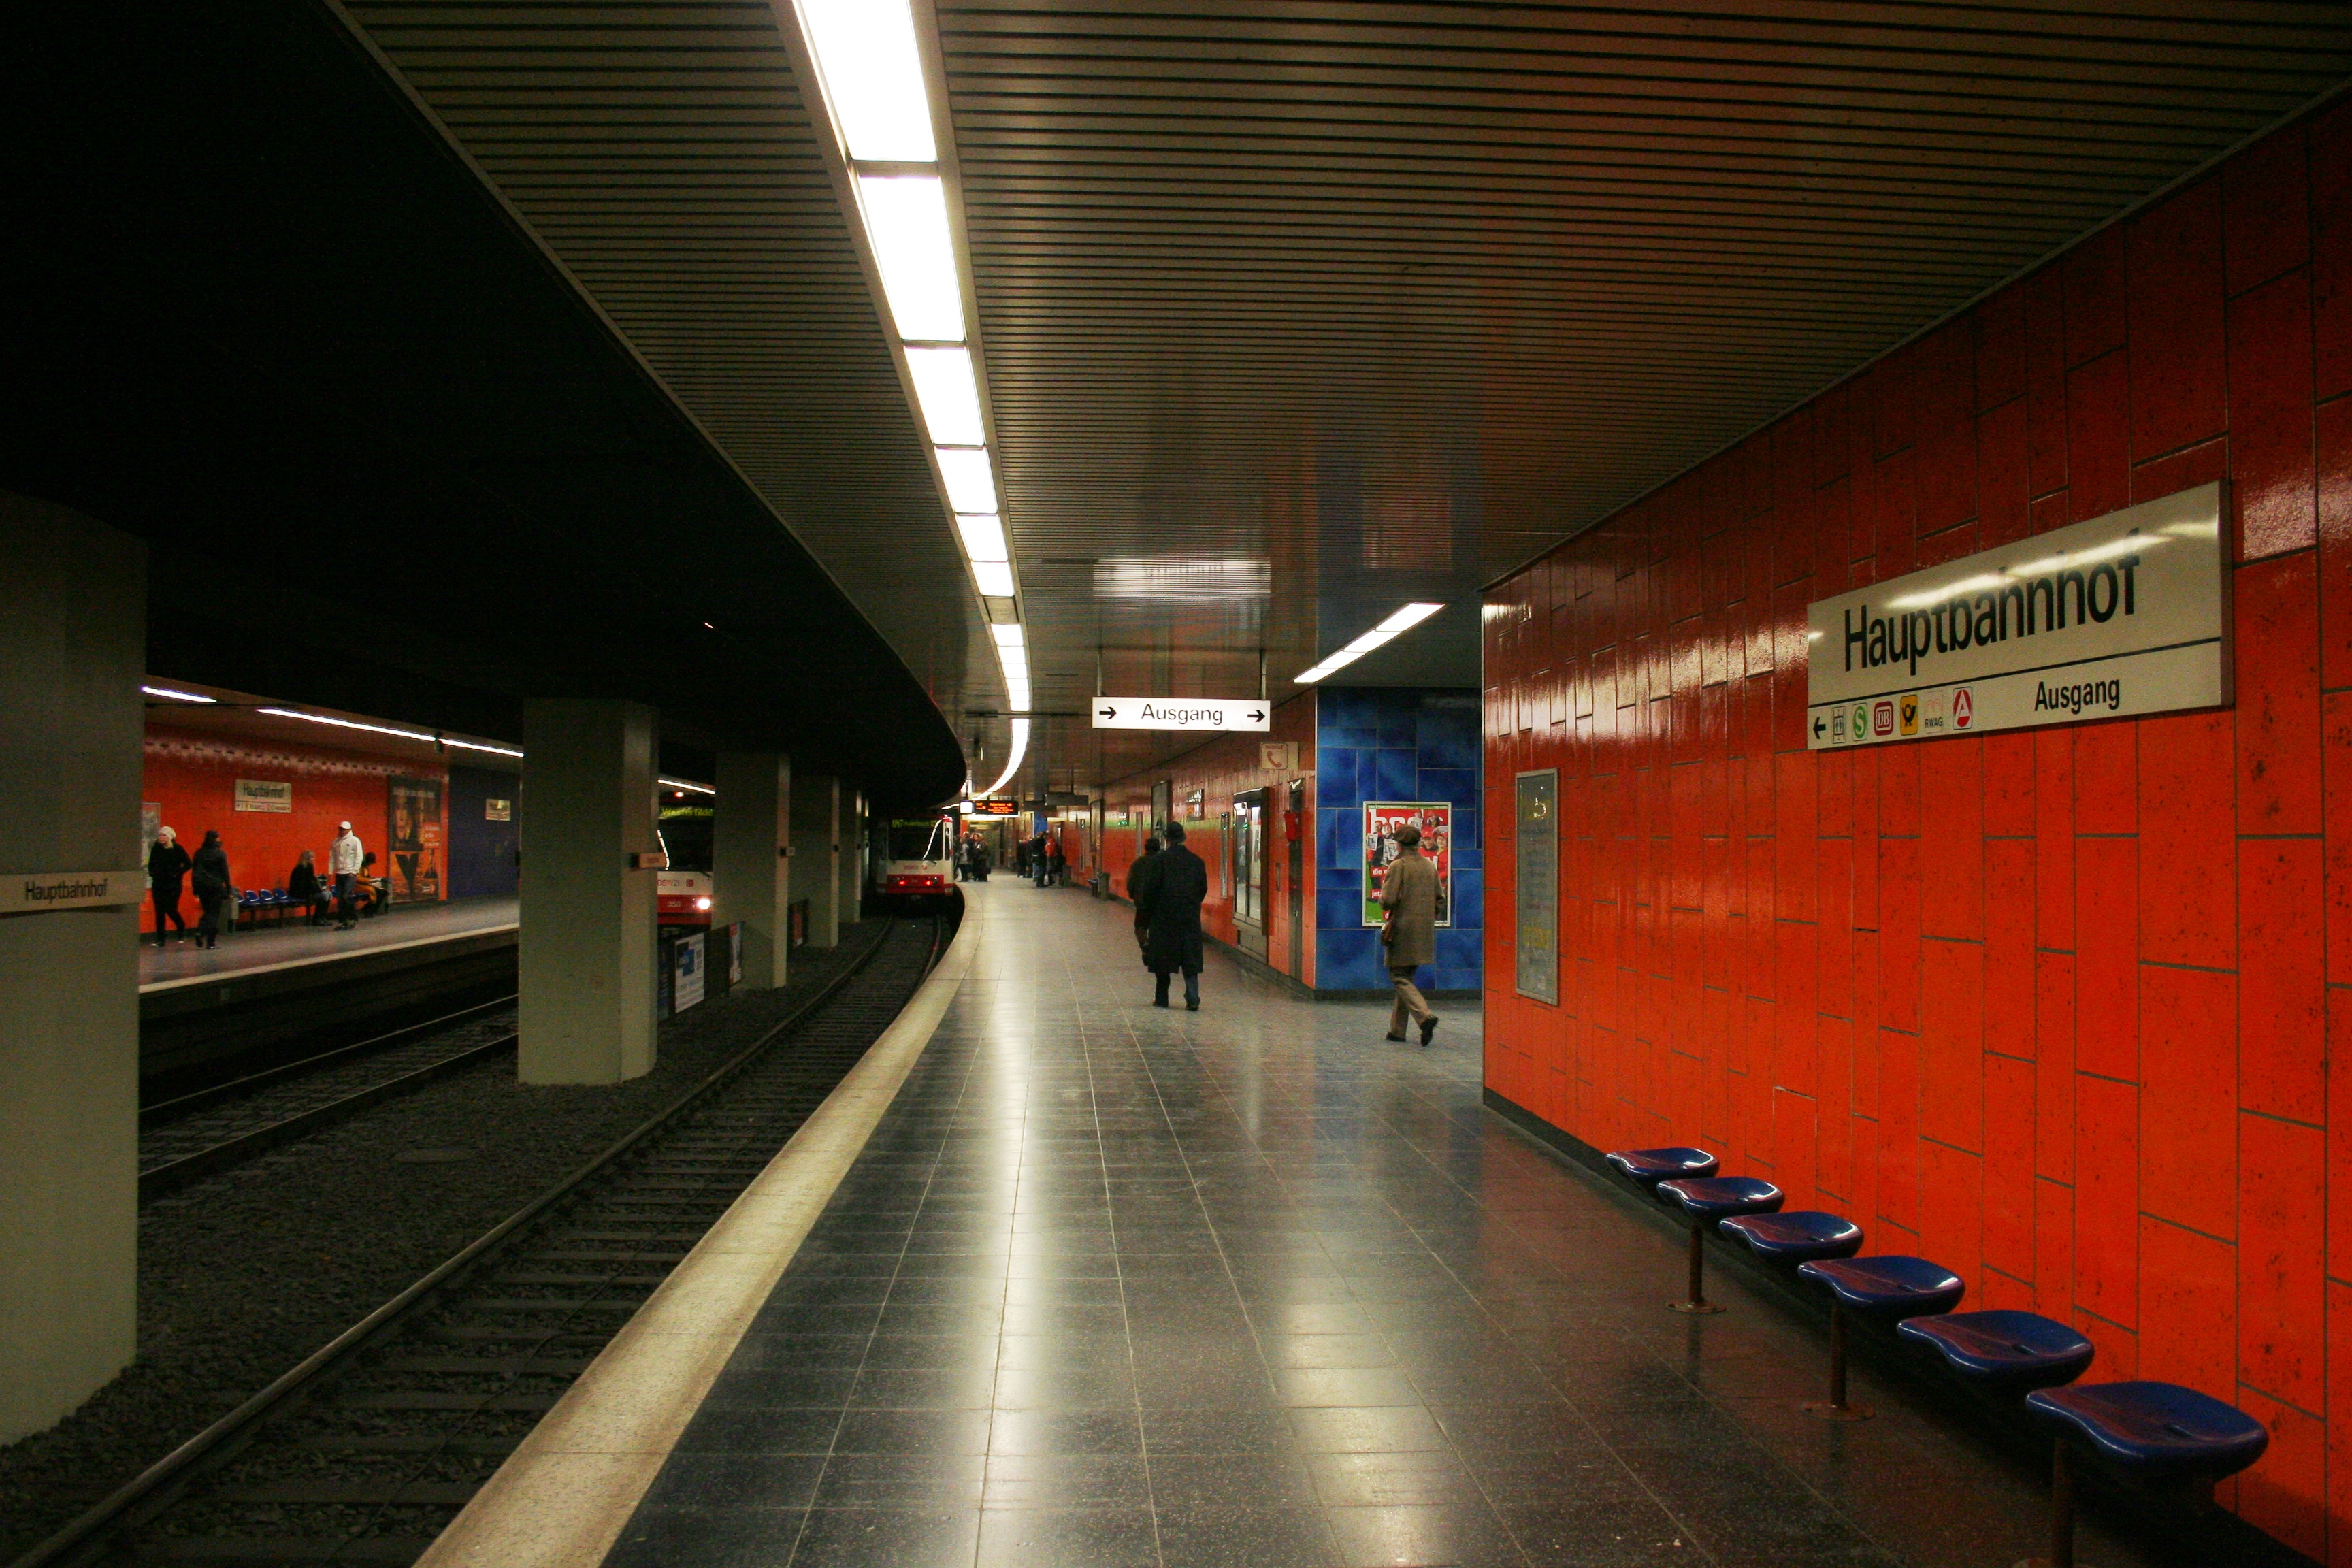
(1252, 1287)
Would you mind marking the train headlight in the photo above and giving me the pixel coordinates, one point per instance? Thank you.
(702, 903)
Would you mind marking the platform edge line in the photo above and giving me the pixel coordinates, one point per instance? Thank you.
(562, 1497)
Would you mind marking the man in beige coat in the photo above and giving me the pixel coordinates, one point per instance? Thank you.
(1408, 893)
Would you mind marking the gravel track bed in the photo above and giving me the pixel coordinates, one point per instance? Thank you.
(246, 1272)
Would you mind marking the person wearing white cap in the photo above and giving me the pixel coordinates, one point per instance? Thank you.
(343, 864)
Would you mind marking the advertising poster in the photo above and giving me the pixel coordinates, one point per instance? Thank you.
(413, 839)
(1381, 819)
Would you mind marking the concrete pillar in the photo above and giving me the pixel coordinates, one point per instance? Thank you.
(589, 868)
(73, 643)
(853, 854)
(817, 875)
(750, 879)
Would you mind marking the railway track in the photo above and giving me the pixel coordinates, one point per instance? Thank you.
(365, 1451)
(183, 1139)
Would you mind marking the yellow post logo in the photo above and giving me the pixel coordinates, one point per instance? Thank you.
(1911, 713)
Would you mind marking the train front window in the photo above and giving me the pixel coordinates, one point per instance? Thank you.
(919, 840)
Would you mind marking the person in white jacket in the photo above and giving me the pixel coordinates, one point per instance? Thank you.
(343, 859)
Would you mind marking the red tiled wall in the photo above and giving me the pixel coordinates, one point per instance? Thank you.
(2051, 1006)
(1219, 769)
(192, 775)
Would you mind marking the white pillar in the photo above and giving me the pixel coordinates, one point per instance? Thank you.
(73, 642)
(751, 878)
(853, 854)
(585, 989)
(816, 876)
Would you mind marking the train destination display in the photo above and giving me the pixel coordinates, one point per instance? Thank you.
(2125, 614)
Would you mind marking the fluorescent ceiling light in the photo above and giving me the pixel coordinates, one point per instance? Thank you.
(1008, 637)
(865, 49)
(1019, 749)
(681, 784)
(1411, 615)
(994, 578)
(906, 220)
(971, 479)
(950, 396)
(387, 729)
(1388, 631)
(983, 534)
(177, 695)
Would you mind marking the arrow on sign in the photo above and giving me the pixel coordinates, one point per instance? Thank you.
(1108, 713)
(1817, 724)
(1257, 715)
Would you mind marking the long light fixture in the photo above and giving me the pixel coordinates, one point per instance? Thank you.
(684, 784)
(1388, 631)
(868, 60)
(166, 691)
(388, 729)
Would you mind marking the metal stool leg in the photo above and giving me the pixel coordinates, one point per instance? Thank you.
(1836, 1407)
(1696, 1301)
(2061, 1512)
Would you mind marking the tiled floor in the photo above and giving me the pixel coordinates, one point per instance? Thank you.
(272, 945)
(1254, 1288)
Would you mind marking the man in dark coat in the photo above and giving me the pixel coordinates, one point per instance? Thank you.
(1138, 879)
(1167, 890)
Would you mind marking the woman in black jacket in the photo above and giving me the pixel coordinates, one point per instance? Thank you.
(167, 866)
(302, 886)
(212, 888)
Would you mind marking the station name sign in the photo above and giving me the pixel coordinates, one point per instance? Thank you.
(27, 892)
(1204, 713)
(2125, 614)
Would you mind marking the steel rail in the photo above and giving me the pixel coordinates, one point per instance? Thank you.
(148, 1493)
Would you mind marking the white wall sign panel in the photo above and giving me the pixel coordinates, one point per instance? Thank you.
(1208, 714)
(30, 892)
(2126, 614)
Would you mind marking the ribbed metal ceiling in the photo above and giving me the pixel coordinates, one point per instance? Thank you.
(1294, 312)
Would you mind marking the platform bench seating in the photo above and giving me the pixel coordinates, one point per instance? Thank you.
(2155, 1432)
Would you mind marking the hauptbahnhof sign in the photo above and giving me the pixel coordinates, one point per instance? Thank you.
(2126, 614)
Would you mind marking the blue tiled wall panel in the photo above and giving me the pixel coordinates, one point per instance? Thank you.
(1394, 743)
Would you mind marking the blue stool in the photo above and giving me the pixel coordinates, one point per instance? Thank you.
(2004, 1353)
(2157, 1431)
(1889, 1288)
(1801, 1236)
(1706, 1201)
(1645, 1168)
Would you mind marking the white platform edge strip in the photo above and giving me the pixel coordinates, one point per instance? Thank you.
(562, 1498)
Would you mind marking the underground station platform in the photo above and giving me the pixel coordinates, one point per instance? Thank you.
(1072, 1279)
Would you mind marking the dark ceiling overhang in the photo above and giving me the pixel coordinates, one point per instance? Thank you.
(260, 313)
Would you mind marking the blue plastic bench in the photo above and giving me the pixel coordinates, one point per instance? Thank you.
(1645, 1168)
(1889, 1289)
(2157, 1432)
(1707, 1201)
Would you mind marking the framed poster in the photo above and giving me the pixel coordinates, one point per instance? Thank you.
(1536, 879)
(1381, 819)
(413, 839)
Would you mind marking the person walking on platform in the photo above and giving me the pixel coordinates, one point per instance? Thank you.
(1174, 883)
(1040, 860)
(1408, 893)
(1139, 877)
(167, 867)
(343, 860)
(1058, 865)
(302, 886)
(213, 888)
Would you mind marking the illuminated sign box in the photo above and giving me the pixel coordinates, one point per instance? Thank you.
(2123, 615)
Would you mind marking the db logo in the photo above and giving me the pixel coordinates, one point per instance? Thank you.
(1882, 719)
(1964, 708)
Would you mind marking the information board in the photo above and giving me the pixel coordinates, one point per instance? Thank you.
(1536, 885)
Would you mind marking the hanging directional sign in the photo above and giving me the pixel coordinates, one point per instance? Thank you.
(1204, 713)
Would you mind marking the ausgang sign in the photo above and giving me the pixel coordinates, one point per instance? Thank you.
(2125, 614)
(1206, 713)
